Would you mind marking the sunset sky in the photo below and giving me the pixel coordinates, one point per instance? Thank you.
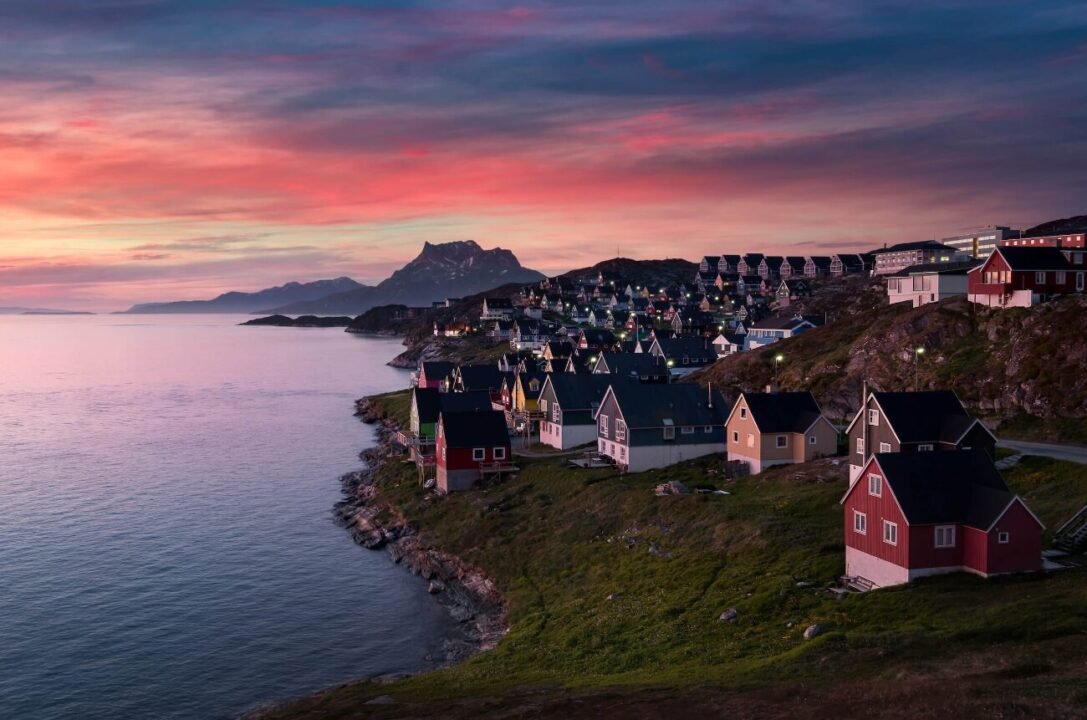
(173, 149)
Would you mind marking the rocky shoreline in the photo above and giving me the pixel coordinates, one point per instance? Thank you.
(466, 592)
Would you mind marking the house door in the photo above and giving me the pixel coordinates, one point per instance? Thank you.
(1079, 282)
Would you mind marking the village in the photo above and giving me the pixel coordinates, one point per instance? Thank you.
(597, 372)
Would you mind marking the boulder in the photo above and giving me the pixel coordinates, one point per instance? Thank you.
(729, 615)
(812, 631)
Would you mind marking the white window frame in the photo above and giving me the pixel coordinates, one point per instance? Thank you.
(927, 447)
(743, 412)
(860, 522)
(686, 430)
(556, 413)
(812, 439)
(479, 454)
(707, 429)
(669, 432)
(860, 445)
(1039, 276)
(890, 532)
(499, 453)
(875, 482)
(1003, 537)
(620, 430)
(873, 417)
(781, 441)
(943, 536)
(736, 437)
(885, 447)
(603, 425)
(1061, 278)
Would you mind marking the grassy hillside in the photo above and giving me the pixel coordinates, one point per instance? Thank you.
(614, 596)
(1020, 366)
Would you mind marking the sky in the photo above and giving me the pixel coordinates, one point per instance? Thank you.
(174, 149)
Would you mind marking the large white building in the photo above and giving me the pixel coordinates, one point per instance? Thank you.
(979, 243)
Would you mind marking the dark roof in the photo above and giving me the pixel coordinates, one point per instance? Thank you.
(820, 260)
(691, 347)
(480, 377)
(946, 268)
(927, 416)
(428, 404)
(780, 323)
(498, 302)
(1034, 258)
(795, 262)
(483, 429)
(634, 364)
(437, 369)
(958, 486)
(579, 392)
(528, 377)
(773, 261)
(650, 406)
(919, 245)
(600, 336)
(465, 402)
(788, 412)
(753, 258)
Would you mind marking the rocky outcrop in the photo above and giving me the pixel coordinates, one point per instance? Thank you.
(303, 321)
(377, 524)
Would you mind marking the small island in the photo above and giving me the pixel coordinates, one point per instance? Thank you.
(303, 321)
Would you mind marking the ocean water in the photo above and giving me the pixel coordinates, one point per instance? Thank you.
(167, 548)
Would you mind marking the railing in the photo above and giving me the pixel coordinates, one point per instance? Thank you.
(497, 467)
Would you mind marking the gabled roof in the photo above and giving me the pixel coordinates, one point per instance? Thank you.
(691, 347)
(465, 402)
(773, 261)
(633, 364)
(480, 376)
(436, 370)
(820, 260)
(498, 302)
(526, 379)
(483, 429)
(1034, 258)
(948, 268)
(926, 416)
(428, 404)
(959, 486)
(600, 336)
(578, 392)
(788, 412)
(653, 406)
(780, 323)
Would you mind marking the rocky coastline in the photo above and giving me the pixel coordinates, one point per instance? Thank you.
(465, 591)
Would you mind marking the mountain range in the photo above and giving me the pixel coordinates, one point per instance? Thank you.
(441, 270)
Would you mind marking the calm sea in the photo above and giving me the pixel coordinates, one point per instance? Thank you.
(166, 543)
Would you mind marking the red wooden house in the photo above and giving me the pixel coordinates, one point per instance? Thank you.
(917, 514)
(471, 446)
(1024, 276)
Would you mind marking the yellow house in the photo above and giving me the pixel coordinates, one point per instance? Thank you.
(766, 429)
(526, 392)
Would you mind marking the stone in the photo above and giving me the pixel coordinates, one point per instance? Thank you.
(729, 615)
(812, 631)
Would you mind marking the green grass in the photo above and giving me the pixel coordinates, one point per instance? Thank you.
(559, 541)
(1057, 429)
(395, 406)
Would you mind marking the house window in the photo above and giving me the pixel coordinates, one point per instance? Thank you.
(735, 437)
(1003, 538)
(812, 440)
(890, 532)
(479, 454)
(928, 448)
(1061, 278)
(669, 432)
(707, 429)
(743, 412)
(885, 447)
(875, 485)
(603, 424)
(1039, 277)
(860, 522)
(622, 452)
(782, 441)
(860, 446)
(620, 430)
(500, 453)
(443, 454)
(873, 417)
(945, 536)
(556, 413)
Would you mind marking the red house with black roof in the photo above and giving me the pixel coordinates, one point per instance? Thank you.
(916, 514)
(471, 446)
(1024, 276)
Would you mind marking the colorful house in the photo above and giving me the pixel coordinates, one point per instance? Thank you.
(767, 429)
(471, 447)
(919, 514)
(1023, 276)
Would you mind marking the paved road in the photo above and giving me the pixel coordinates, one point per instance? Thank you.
(1072, 453)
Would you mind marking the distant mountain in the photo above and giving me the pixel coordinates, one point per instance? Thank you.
(241, 302)
(453, 269)
(1064, 226)
(38, 311)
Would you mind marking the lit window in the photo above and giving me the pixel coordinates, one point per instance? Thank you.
(945, 536)
(890, 532)
(860, 522)
(875, 485)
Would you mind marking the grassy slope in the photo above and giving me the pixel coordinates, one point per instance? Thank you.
(558, 542)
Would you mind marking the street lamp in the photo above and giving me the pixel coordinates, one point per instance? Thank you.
(917, 353)
(777, 363)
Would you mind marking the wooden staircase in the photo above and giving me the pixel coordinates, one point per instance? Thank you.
(1072, 536)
